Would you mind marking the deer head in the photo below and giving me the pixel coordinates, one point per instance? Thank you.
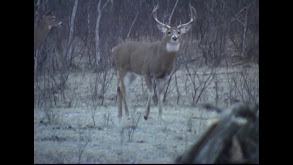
(173, 34)
(51, 21)
(153, 61)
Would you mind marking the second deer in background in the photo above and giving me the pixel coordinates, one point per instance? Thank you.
(43, 28)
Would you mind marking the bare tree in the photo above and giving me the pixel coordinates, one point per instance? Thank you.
(97, 31)
(71, 31)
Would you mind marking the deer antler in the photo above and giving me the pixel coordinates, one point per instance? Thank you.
(154, 13)
(192, 17)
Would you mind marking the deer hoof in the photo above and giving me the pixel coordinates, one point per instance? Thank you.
(145, 117)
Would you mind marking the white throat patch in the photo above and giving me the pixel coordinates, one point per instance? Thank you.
(172, 47)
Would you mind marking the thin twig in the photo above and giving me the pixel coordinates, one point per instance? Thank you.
(132, 25)
(246, 7)
(170, 17)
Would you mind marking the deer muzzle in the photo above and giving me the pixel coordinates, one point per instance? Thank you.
(174, 38)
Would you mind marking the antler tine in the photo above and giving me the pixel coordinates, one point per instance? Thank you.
(154, 13)
(155, 8)
(192, 17)
(192, 11)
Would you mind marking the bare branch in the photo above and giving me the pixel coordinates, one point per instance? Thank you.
(246, 7)
(105, 4)
(170, 17)
(132, 25)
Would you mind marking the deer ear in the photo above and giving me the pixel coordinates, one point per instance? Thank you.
(185, 29)
(162, 28)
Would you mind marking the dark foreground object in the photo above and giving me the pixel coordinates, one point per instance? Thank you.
(232, 138)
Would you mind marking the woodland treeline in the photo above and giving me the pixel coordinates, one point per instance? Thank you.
(224, 29)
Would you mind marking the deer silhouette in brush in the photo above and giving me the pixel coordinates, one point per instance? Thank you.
(43, 28)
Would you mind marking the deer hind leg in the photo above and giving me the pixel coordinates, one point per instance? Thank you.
(126, 78)
(121, 93)
(148, 81)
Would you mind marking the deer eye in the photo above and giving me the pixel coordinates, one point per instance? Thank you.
(169, 32)
(178, 32)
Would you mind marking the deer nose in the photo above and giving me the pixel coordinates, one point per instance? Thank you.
(174, 38)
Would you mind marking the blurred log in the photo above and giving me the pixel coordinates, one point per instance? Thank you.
(233, 138)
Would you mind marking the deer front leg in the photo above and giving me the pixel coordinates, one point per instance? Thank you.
(148, 81)
(161, 85)
(119, 99)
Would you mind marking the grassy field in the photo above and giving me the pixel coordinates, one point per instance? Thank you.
(79, 128)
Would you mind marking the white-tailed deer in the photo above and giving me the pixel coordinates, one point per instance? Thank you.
(43, 28)
(151, 60)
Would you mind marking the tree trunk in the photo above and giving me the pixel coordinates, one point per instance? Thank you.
(97, 37)
(97, 30)
(71, 30)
